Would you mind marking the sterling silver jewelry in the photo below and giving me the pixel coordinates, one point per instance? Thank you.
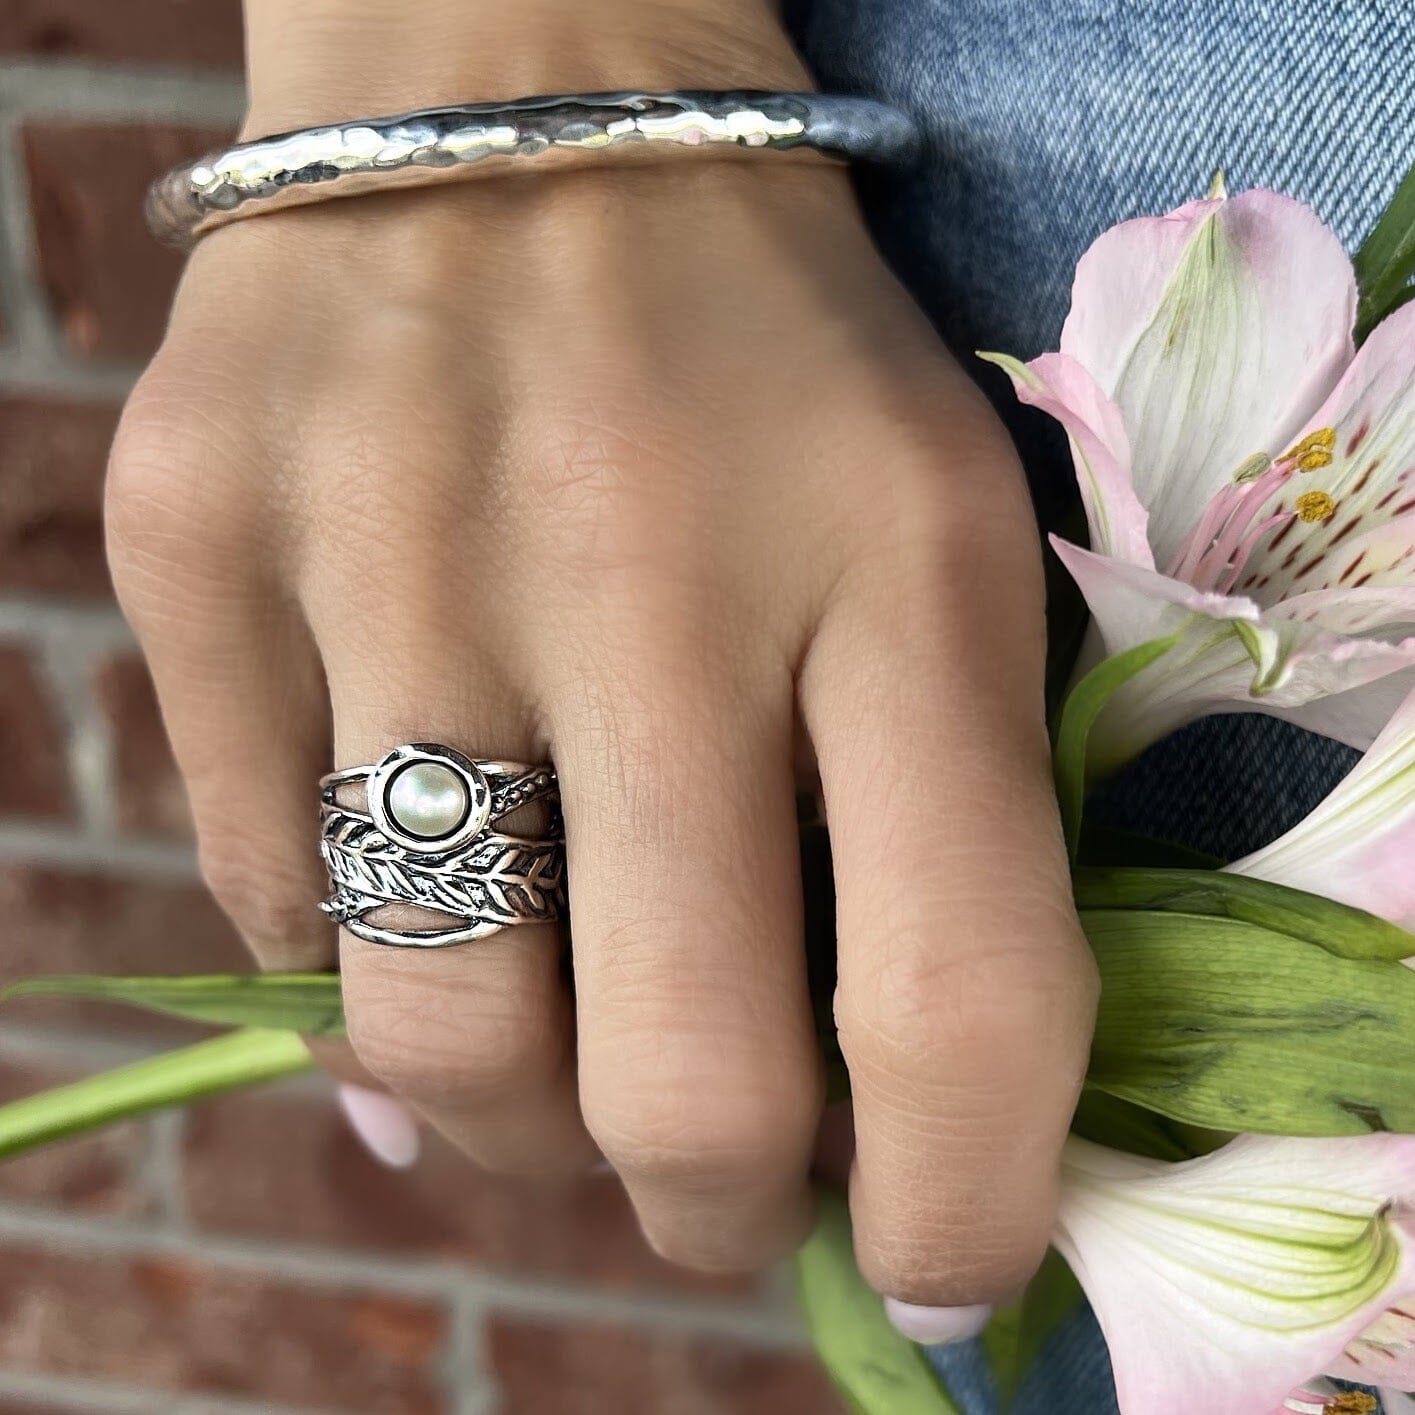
(423, 837)
(436, 145)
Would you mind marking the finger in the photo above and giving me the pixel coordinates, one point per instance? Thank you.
(478, 1037)
(699, 1071)
(966, 991)
(243, 698)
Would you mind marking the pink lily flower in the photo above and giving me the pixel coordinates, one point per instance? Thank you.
(1225, 1284)
(1247, 481)
(1358, 845)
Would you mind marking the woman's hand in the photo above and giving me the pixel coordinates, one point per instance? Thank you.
(656, 473)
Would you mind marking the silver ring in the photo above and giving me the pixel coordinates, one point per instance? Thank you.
(422, 836)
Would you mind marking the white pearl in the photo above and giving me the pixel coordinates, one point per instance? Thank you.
(427, 800)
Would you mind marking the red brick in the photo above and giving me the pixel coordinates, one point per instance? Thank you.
(51, 495)
(284, 1164)
(92, 1173)
(150, 796)
(28, 1407)
(587, 1369)
(190, 33)
(34, 777)
(108, 281)
(186, 1326)
(57, 921)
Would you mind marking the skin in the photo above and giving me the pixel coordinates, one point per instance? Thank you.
(655, 472)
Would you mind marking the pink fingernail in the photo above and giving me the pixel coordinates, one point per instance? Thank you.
(936, 1326)
(384, 1125)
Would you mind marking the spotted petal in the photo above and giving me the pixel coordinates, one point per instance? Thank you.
(1369, 474)
(1218, 330)
(1224, 1283)
(1384, 1354)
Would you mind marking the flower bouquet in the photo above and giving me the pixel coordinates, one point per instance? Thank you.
(1238, 1195)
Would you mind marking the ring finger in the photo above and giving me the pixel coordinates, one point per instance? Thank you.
(479, 1037)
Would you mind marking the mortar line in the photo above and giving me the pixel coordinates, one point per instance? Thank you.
(36, 618)
(27, 312)
(466, 1371)
(54, 847)
(85, 1047)
(70, 664)
(74, 88)
(76, 1393)
(433, 1279)
(158, 1174)
(49, 371)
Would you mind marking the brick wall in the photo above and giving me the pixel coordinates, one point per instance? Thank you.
(245, 1256)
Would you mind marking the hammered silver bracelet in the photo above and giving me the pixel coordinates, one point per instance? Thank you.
(437, 145)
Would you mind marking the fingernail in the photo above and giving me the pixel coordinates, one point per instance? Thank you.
(936, 1326)
(384, 1125)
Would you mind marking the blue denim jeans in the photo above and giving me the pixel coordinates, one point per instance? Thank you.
(1045, 122)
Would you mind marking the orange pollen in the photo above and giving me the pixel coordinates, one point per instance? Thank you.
(1352, 1402)
(1315, 506)
(1322, 439)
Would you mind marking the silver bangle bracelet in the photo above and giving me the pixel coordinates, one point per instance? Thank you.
(438, 145)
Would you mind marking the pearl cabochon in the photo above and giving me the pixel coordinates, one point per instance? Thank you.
(428, 800)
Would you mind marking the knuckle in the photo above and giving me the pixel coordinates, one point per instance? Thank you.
(270, 908)
(712, 1138)
(408, 1063)
(923, 1009)
(169, 492)
(446, 1046)
(973, 526)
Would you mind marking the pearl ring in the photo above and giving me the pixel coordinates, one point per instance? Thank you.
(421, 838)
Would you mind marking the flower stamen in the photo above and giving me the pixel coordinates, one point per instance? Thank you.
(1316, 445)
(1352, 1402)
(1215, 552)
(1315, 506)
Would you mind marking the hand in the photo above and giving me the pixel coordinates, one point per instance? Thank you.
(656, 473)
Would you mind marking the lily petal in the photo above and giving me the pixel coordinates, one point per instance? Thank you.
(1271, 1256)
(1100, 449)
(1234, 656)
(1219, 330)
(1384, 1354)
(1369, 473)
(1358, 844)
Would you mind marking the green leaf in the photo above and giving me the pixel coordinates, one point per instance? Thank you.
(1015, 1336)
(1082, 707)
(879, 1371)
(1386, 262)
(240, 1058)
(297, 1002)
(1224, 1024)
(1338, 928)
